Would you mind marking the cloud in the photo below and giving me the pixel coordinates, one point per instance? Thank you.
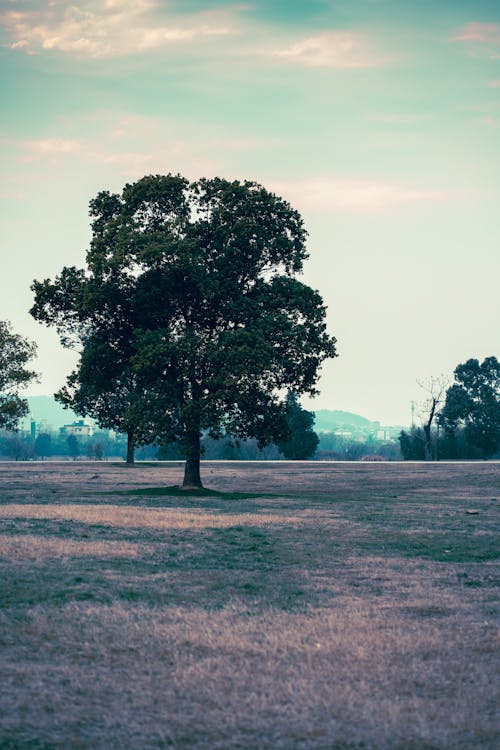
(494, 84)
(331, 49)
(106, 29)
(122, 145)
(357, 195)
(51, 147)
(11, 195)
(58, 150)
(130, 145)
(399, 118)
(480, 39)
(485, 33)
(489, 121)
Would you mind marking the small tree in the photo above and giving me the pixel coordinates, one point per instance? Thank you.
(190, 315)
(15, 353)
(435, 388)
(301, 441)
(19, 448)
(73, 446)
(43, 445)
(99, 451)
(473, 402)
(412, 444)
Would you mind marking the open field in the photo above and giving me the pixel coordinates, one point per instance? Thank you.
(298, 605)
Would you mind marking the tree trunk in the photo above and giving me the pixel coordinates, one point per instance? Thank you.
(192, 478)
(130, 448)
(428, 428)
(427, 442)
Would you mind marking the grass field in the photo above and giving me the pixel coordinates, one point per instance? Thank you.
(295, 606)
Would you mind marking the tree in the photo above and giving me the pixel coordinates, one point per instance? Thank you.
(99, 451)
(435, 388)
(473, 401)
(43, 445)
(301, 441)
(105, 387)
(18, 447)
(15, 353)
(412, 444)
(73, 446)
(190, 304)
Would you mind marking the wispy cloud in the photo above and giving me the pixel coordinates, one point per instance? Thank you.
(480, 39)
(126, 140)
(479, 32)
(41, 147)
(357, 195)
(60, 150)
(11, 195)
(332, 49)
(107, 29)
(489, 121)
(398, 118)
(128, 146)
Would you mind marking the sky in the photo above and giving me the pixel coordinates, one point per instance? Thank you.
(379, 120)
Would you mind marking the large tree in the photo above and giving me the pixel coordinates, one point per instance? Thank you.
(15, 353)
(190, 302)
(473, 402)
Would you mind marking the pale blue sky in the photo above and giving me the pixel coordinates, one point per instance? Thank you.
(378, 119)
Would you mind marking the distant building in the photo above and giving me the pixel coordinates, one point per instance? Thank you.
(78, 429)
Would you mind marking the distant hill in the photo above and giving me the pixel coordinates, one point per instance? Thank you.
(329, 421)
(47, 408)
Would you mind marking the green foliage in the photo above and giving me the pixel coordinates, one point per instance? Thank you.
(73, 446)
(15, 352)
(189, 314)
(412, 444)
(98, 451)
(43, 445)
(301, 441)
(473, 402)
(17, 446)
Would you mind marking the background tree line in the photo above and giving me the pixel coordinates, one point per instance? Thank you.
(467, 424)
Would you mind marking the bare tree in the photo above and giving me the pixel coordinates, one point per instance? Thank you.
(435, 388)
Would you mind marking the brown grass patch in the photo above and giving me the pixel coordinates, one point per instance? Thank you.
(127, 517)
(23, 547)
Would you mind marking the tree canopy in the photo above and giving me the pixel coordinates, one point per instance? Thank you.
(15, 353)
(473, 401)
(189, 314)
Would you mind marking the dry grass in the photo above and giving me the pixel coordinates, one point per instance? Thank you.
(354, 609)
(21, 547)
(126, 517)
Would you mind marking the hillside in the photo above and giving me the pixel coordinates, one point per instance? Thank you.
(330, 421)
(47, 408)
